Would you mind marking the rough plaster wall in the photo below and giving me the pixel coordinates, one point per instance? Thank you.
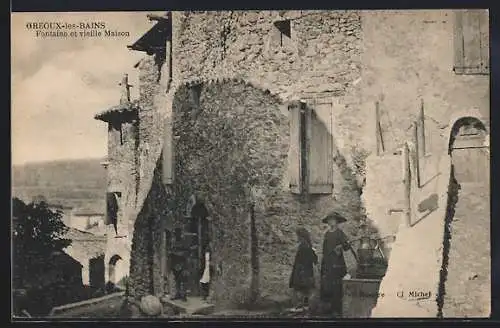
(121, 157)
(408, 55)
(416, 259)
(384, 191)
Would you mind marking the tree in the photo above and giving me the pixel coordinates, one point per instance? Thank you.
(37, 232)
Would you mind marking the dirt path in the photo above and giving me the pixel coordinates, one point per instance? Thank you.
(106, 309)
(468, 282)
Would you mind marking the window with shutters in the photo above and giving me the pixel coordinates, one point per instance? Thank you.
(112, 209)
(311, 147)
(471, 42)
(283, 31)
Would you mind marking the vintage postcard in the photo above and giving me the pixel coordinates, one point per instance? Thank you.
(251, 164)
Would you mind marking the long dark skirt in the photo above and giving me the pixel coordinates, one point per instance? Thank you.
(331, 288)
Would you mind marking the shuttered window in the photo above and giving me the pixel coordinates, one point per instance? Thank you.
(320, 159)
(294, 155)
(311, 147)
(471, 41)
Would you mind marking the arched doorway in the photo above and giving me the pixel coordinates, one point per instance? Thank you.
(112, 274)
(467, 225)
(469, 152)
(197, 230)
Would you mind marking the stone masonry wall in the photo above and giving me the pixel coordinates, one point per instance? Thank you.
(340, 52)
(138, 158)
(145, 259)
(239, 138)
(122, 177)
(323, 54)
(246, 45)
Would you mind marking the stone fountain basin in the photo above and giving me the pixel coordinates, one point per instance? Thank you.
(359, 296)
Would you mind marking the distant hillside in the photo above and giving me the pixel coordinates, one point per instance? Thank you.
(72, 183)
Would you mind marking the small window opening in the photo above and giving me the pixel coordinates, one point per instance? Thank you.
(285, 29)
(117, 126)
(195, 95)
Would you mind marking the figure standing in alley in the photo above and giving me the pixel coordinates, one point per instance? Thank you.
(333, 267)
(207, 271)
(178, 258)
(302, 278)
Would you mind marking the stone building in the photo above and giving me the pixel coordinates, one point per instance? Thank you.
(266, 121)
(88, 249)
(84, 218)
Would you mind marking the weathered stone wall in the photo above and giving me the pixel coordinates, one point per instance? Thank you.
(249, 47)
(323, 54)
(238, 138)
(122, 177)
(131, 172)
(408, 56)
(83, 249)
(357, 57)
(145, 258)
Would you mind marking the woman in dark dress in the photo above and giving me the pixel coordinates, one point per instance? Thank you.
(302, 278)
(333, 267)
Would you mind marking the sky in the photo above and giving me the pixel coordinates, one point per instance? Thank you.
(59, 84)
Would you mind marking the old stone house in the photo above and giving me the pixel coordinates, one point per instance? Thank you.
(273, 113)
(84, 218)
(88, 249)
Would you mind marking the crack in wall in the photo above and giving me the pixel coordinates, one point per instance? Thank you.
(450, 213)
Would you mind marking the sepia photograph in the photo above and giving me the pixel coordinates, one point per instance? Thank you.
(271, 164)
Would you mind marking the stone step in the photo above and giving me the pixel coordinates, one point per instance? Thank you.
(192, 306)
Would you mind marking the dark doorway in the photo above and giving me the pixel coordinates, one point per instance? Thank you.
(468, 153)
(197, 230)
(96, 272)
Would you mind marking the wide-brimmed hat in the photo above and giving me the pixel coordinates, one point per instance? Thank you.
(334, 216)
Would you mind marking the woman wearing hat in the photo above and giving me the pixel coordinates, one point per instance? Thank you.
(333, 267)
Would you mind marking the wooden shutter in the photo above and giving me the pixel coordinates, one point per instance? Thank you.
(484, 29)
(471, 41)
(294, 165)
(167, 155)
(320, 150)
